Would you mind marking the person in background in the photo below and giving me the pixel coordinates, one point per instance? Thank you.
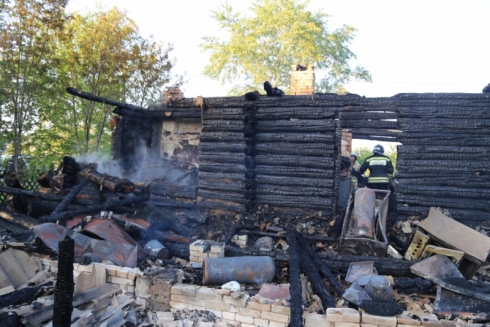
(353, 161)
(380, 166)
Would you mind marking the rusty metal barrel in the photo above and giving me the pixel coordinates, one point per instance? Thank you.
(362, 220)
(246, 270)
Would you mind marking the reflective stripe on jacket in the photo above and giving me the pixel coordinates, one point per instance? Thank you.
(379, 167)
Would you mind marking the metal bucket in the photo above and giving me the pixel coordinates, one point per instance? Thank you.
(246, 270)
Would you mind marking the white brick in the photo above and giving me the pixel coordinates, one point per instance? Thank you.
(241, 302)
(119, 280)
(178, 305)
(209, 294)
(378, 320)
(277, 324)
(195, 259)
(261, 322)
(345, 315)
(184, 289)
(178, 298)
(199, 254)
(274, 316)
(229, 315)
(243, 318)
(259, 306)
(346, 324)
(280, 309)
(111, 270)
(408, 321)
(218, 249)
(249, 312)
(198, 246)
(122, 272)
(88, 268)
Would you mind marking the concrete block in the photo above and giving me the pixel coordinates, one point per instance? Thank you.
(259, 306)
(184, 289)
(261, 322)
(344, 315)
(408, 321)
(367, 318)
(244, 319)
(280, 309)
(209, 294)
(274, 316)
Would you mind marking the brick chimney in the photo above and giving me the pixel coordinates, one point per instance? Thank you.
(302, 80)
(172, 94)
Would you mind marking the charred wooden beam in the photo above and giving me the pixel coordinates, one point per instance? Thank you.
(70, 197)
(296, 289)
(25, 295)
(165, 219)
(17, 218)
(63, 294)
(45, 180)
(106, 206)
(109, 182)
(13, 182)
(232, 231)
(95, 98)
(44, 196)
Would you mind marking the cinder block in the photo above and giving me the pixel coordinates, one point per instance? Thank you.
(259, 306)
(367, 318)
(345, 315)
(229, 315)
(281, 309)
(241, 302)
(209, 294)
(243, 318)
(184, 289)
(178, 298)
(408, 321)
(274, 316)
(249, 312)
(261, 322)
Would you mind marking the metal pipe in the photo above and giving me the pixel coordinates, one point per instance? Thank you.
(246, 270)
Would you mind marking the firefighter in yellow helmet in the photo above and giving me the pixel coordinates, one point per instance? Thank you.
(380, 166)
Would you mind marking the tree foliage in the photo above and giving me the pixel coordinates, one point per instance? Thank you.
(279, 34)
(28, 28)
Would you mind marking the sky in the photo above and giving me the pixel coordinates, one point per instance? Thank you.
(408, 46)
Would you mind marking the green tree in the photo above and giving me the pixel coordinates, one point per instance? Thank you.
(101, 53)
(27, 33)
(279, 34)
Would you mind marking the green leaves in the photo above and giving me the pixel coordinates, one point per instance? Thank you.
(279, 34)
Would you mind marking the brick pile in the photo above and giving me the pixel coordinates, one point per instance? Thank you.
(201, 249)
(240, 240)
(302, 82)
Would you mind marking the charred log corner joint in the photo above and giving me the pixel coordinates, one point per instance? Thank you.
(250, 123)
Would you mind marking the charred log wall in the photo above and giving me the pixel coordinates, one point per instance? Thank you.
(443, 161)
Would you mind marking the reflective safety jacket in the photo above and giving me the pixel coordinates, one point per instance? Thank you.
(379, 167)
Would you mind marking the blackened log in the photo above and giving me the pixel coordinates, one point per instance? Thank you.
(171, 203)
(384, 266)
(45, 180)
(222, 168)
(225, 196)
(294, 171)
(178, 250)
(293, 190)
(70, 197)
(443, 125)
(222, 125)
(205, 147)
(305, 149)
(464, 181)
(95, 98)
(12, 228)
(25, 295)
(44, 196)
(232, 231)
(321, 266)
(109, 182)
(282, 113)
(294, 181)
(443, 139)
(17, 218)
(106, 206)
(316, 203)
(375, 115)
(443, 202)
(327, 138)
(13, 182)
(166, 219)
(221, 185)
(172, 190)
(40, 207)
(225, 157)
(443, 112)
(213, 136)
(295, 289)
(316, 281)
(223, 113)
(443, 191)
(300, 125)
(212, 203)
(294, 161)
(374, 124)
(63, 294)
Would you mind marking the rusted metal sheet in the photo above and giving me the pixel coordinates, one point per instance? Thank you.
(248, 270)
(361, 223)
(465, 307)
(361, 245)
(442, 271)
(109, 231)
(121, 254)
(358, 270)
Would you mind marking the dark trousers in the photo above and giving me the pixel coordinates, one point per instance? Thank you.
(379, 186)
